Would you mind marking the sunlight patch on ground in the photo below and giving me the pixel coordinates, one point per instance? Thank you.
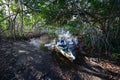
(29, 58)
(22, 51)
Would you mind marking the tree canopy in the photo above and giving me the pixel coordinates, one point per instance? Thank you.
(97, 20)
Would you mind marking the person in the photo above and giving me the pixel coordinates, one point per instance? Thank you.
(61, 42)
(63, 45)
(71, 46)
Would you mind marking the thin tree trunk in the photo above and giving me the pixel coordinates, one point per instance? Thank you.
(21, 29)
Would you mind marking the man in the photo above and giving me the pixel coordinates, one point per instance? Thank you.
(61, 42)
(71, 46)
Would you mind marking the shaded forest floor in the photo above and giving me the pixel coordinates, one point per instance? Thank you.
(21, 61)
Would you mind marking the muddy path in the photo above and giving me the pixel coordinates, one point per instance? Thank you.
(32, 63)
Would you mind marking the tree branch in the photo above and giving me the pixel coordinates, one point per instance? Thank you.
(22, 1)
(6, 17)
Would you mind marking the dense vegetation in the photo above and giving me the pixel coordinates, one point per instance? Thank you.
(98, 21)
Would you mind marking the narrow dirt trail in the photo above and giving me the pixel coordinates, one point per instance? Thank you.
(32, 63)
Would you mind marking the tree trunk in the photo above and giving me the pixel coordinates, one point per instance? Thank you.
(21, 28)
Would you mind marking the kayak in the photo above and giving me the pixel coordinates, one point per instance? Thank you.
(65, 52)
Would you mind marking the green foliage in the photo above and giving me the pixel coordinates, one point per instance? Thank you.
(98, 19)
(115, 56)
